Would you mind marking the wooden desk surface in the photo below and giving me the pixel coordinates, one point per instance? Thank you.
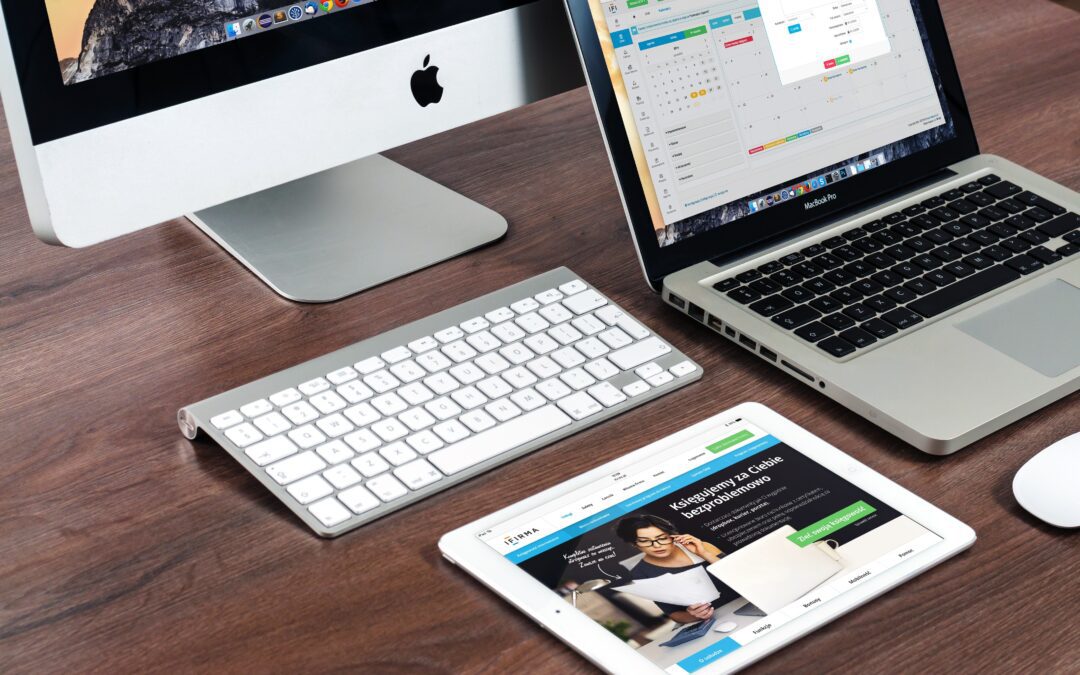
(123, 547)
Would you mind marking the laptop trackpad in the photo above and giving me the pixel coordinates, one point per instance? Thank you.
(1038, 329)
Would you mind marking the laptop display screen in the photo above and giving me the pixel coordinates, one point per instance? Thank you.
(734, 107)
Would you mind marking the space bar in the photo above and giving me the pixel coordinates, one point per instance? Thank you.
(488, 444)
(964, 290)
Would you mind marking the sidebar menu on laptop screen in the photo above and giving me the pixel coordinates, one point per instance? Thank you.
(731, 529)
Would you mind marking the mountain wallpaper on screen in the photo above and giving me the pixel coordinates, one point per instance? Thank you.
(122, 34)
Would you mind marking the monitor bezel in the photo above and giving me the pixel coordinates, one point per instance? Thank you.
(790, 219)
(55, 110)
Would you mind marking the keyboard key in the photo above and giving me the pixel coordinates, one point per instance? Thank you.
(978, 261)
(370, 464)
(329, 512)
(555, 314)
(838, 321)
(939, 278)
(307, 436)
(748, 276)
(341, 375)
(1024, 264)
(858, 337)
(902, 318)
(1003, 189)
(879, 303)
(473, 325)
(989, 179)
(285, 397)
(601, 369)
(362, 441)
(418, 474)
(243, 435)
(477, 420)
(607, 394)
(270, 450)
(296, 467)
(342, 476)
(636, 354)
(311, 488)
(584, 302)
(793, 318)
(812, 332)
(836, 346)
(1068, 250)
(549, 296)
(743, 295)
(424, 442)
(523, 306)
(825, 304)
(859, 311)
(528, 399)
(387, 488)
(572, 287)
(581, 405)
(444, 336)
(489, 444)
(361, 415)
(426, 344)
(901, 294)
(397, 453)
(878, 328)
(568, 357)
(451, 431)
(725, 285)
(256, 408)
(771, 305)
(335, 452)
(359, 499)
(1060, 225)
(355, 391)
(227, 419)
(959, 269)
(312, 387)
(681, 369)
(660, 379)
(327, 402)
(334, 425)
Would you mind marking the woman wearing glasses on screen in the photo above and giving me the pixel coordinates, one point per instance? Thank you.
(666, 552)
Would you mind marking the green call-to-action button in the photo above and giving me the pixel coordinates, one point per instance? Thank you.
(694, 32)
(830, 524)
(636, 3)
(726, 443)
(841, 60)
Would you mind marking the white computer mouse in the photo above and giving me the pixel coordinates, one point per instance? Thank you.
(726, 627)
(1048, 485)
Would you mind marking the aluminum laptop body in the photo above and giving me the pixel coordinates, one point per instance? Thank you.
(955, 308)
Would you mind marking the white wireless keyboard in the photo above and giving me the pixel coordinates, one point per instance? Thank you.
(348, 437)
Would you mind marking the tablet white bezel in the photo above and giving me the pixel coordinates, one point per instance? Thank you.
(464, 548)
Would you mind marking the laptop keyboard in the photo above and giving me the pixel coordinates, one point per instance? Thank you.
(876, 280)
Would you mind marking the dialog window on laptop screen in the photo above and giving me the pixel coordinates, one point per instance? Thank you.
(100, 37)
(734, 106)
(731, 527)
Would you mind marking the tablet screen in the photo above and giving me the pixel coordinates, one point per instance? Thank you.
(709, 545)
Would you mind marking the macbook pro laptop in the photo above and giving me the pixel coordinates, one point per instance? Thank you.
(802, 176)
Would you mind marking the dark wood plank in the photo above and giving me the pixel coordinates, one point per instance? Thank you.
(125, 548)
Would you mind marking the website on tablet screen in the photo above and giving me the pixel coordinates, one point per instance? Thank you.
(709, 545)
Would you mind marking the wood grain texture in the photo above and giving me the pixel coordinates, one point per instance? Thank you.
(125, 548)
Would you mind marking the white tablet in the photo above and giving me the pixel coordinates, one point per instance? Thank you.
(707, 550)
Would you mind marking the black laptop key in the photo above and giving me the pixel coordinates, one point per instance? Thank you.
(837, 346)
(963, 207)
(994, 213)
(979, 261)
(875, 225)
(899, 252)
(818, 286)
(859, 268)
(902, 318)
(845, 296)
(944, 214)
(996, 252)
(927, 262)
(852, 235)
(786, 278)
(886, 237)
(878, 328)
(1034, 237)
(797, 294)
(847, 253)
(879, 303)
(813, 250)
(1068, 250)
(771, 305)
(1038, 215)
(907, 270)
(814, 331)
(1016, 245)
(833, 242)
(919, 244)
(867, 286)
(1002, 230)
(959, 269)
(920, 286)
(950, 195)
(770, 267)
(938, 236)
(913, 210)
(725, 285)
(838, 277)
(1003, 189)
(975, 221)
(765, 286)
(924, 222)
(1015, 224)
(825, 304)
(1044, 255)
(1060, 225)
(968, 188)
(933, 202)
(966, 245)
(1024, 264)
(868, 245)
(793, 318)
(891, 219)
(792, 258)
(957, 229)
(905, 230)
(743, 295)
(828, 261)
(983, 238)
(1011, 206)
(989, 179)
(945, 253)
(858, 337)
(748, 276)
(887, 278)
(939, 277)
(979, 199)
(1032, 199)
(901, 294)
(1073, 237)
(807, 270)
(964, 290)
(838, 321)
(881, 261)
(859, 311)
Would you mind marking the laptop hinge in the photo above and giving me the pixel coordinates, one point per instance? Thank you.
(833, 218)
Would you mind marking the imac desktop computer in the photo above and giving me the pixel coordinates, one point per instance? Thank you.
(262, 120)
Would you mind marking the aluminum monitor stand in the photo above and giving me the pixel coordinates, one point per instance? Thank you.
(341, 231)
